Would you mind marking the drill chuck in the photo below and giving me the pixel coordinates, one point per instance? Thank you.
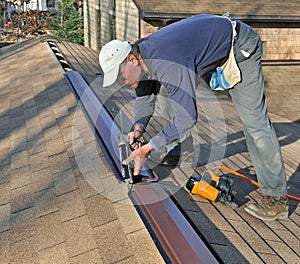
(192, 181)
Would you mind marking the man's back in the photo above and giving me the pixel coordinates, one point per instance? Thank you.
(198, 42)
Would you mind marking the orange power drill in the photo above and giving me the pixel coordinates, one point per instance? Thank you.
(213, 188)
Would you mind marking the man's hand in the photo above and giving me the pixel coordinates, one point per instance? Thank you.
(139, 157)
(136, 134)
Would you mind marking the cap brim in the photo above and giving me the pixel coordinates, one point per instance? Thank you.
(110, 77)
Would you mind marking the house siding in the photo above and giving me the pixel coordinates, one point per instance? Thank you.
(282, 41)
(124, 15)
(90, 23)
(105, 10)
(282, 91)
(127, 21)
(147, 28)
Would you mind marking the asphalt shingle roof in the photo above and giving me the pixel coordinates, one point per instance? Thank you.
(50, 212)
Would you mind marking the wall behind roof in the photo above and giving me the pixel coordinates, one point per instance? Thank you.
(127, 21)
(101, 15)
(282, 40)
(282, 90)
(90, 8)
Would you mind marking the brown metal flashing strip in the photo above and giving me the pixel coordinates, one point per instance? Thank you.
(177, 238)
(180, 242)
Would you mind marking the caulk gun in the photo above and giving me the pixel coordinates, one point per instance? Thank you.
(127, 170)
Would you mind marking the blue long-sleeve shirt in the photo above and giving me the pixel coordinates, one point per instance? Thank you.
(174, 56)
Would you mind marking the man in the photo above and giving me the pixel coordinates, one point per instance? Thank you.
(230, 51)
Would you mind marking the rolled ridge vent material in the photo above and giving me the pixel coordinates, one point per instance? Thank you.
(174, 236)
(63, 62)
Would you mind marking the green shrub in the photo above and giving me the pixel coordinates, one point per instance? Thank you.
(66, 21)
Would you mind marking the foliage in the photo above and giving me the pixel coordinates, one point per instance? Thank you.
(22, 24)
(66, 21)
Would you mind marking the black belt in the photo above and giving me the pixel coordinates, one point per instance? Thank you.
(237, 27)
(237, 30)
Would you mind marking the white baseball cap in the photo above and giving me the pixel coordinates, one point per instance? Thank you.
(111, 56)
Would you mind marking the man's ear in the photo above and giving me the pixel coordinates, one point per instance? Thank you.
(132, 59)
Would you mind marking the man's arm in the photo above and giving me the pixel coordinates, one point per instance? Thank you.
(143, 110)
(145, 102)
(184, 118)
(180, 83)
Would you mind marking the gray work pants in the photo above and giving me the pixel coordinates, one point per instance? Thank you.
(250, 102)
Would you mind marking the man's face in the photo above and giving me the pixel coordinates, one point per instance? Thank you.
(130, 72)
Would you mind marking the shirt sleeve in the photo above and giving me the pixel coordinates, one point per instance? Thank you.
(145, 101)
(144, 109)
